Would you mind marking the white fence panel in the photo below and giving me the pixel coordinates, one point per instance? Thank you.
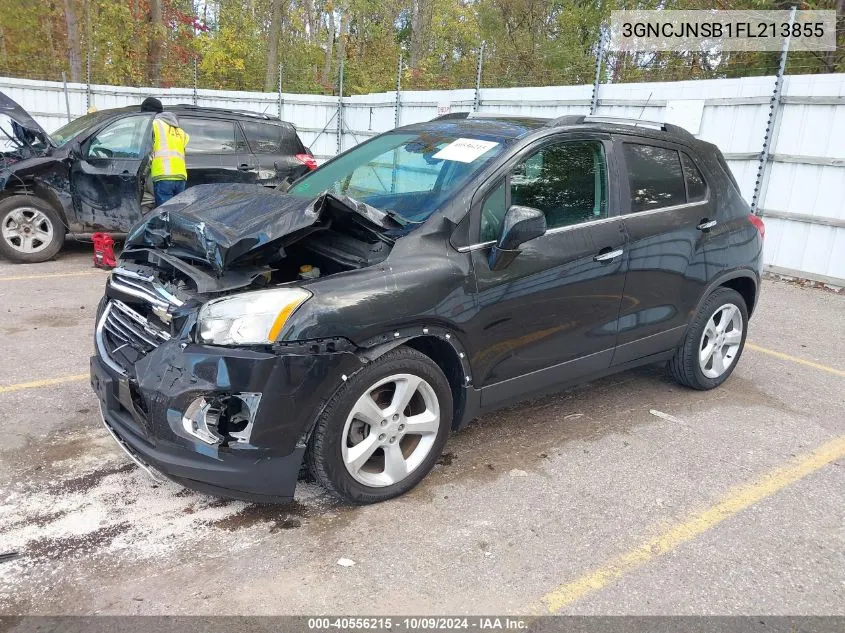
(804, 196)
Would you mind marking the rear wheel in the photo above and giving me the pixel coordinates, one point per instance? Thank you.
(713, 343)
(383, 431)
(30, 230)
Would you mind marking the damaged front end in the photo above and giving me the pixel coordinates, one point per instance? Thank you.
(189, 370)
(21, 137)
(233, 227)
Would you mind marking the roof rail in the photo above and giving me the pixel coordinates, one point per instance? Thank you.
(451, 115)
(257, 115)
(651, 125)
(566, 119)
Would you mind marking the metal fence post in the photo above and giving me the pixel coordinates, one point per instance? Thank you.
(477, 101)
(196, 99)
(87, 57)
(67, 98)
(281, 96)
(340, 110)
(88, 98)
(594, 103)
(397, 108)
(772, 125)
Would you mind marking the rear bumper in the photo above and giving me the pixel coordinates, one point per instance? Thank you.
(144, 414)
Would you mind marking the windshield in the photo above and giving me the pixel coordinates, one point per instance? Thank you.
(67, 133)
(406, 174)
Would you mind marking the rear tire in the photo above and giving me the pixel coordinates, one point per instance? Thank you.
(30, 230)
(713, 343)
(364, 449)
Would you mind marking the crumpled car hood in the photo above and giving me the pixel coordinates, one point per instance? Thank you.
(20, 116)
(220, 223)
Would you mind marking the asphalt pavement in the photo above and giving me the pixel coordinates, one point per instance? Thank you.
(628, 495)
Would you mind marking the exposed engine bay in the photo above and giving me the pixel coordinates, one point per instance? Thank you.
(280, 239)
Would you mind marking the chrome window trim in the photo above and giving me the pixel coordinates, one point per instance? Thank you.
(569, 227)
(560, 229)
(476, 247)
(673, 207)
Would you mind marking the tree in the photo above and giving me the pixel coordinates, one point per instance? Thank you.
(156, 34)
(273, 45)
(74, 46)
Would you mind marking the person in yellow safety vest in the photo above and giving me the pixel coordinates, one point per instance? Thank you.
(167, 161)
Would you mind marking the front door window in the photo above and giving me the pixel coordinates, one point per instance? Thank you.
(567, 181)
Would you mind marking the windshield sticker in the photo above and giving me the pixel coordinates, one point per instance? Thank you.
(465, 150)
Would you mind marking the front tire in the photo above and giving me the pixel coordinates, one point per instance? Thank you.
(30, 230)
(383, 430)
(713, 343)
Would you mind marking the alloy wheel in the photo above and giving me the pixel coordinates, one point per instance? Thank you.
(720, 341)
(391, 429)
(27, 230)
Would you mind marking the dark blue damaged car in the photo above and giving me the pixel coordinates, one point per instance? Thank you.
(433, 273)
(93, 173)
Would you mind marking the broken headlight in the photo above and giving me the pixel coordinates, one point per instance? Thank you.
(255, 318)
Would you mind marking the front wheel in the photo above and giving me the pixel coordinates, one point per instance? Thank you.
(30, 230)
(713, 343)
(383, 431)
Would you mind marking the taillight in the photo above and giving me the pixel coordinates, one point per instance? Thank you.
(309, 161)
(757, 221)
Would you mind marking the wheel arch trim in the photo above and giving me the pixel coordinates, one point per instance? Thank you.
(720, 280)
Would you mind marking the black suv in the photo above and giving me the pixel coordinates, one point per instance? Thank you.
(431, 274)
(90, 175)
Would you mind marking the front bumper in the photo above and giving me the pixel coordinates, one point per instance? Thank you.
(144, 411)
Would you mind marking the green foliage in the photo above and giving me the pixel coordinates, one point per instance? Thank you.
(527, 42)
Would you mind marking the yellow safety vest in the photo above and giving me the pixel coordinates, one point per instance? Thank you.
(168, 158)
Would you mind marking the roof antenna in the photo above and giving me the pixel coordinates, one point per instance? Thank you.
(639, 118)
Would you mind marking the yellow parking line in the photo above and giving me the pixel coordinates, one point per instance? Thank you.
(79, 273)
(42, 383)
(734, 502)
(795, 359)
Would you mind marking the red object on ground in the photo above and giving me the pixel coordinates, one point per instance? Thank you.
(103, 251)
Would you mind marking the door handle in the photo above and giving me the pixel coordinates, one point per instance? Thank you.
(127, 175)
(609, 255)
(706, 224)
(244, 167)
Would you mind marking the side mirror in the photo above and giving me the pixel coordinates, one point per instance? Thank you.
(520, 225)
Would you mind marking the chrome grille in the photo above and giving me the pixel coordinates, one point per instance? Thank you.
(144, 287)
(124, 334)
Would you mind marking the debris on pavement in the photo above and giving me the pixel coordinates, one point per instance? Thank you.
(345, 562)
(666, 416)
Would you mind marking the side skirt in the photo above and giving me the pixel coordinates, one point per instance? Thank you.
(477, 406)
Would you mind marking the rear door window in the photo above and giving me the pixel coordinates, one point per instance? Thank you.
(655, 177)
(212, 136)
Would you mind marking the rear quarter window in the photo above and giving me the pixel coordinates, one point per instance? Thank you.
(696, 185)
(271, 138)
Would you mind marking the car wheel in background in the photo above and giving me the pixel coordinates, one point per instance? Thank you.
(383, 430)
(30, 230)
(713, 343)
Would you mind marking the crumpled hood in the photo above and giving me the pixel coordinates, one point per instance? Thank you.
(220, 223)
(20, 116)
